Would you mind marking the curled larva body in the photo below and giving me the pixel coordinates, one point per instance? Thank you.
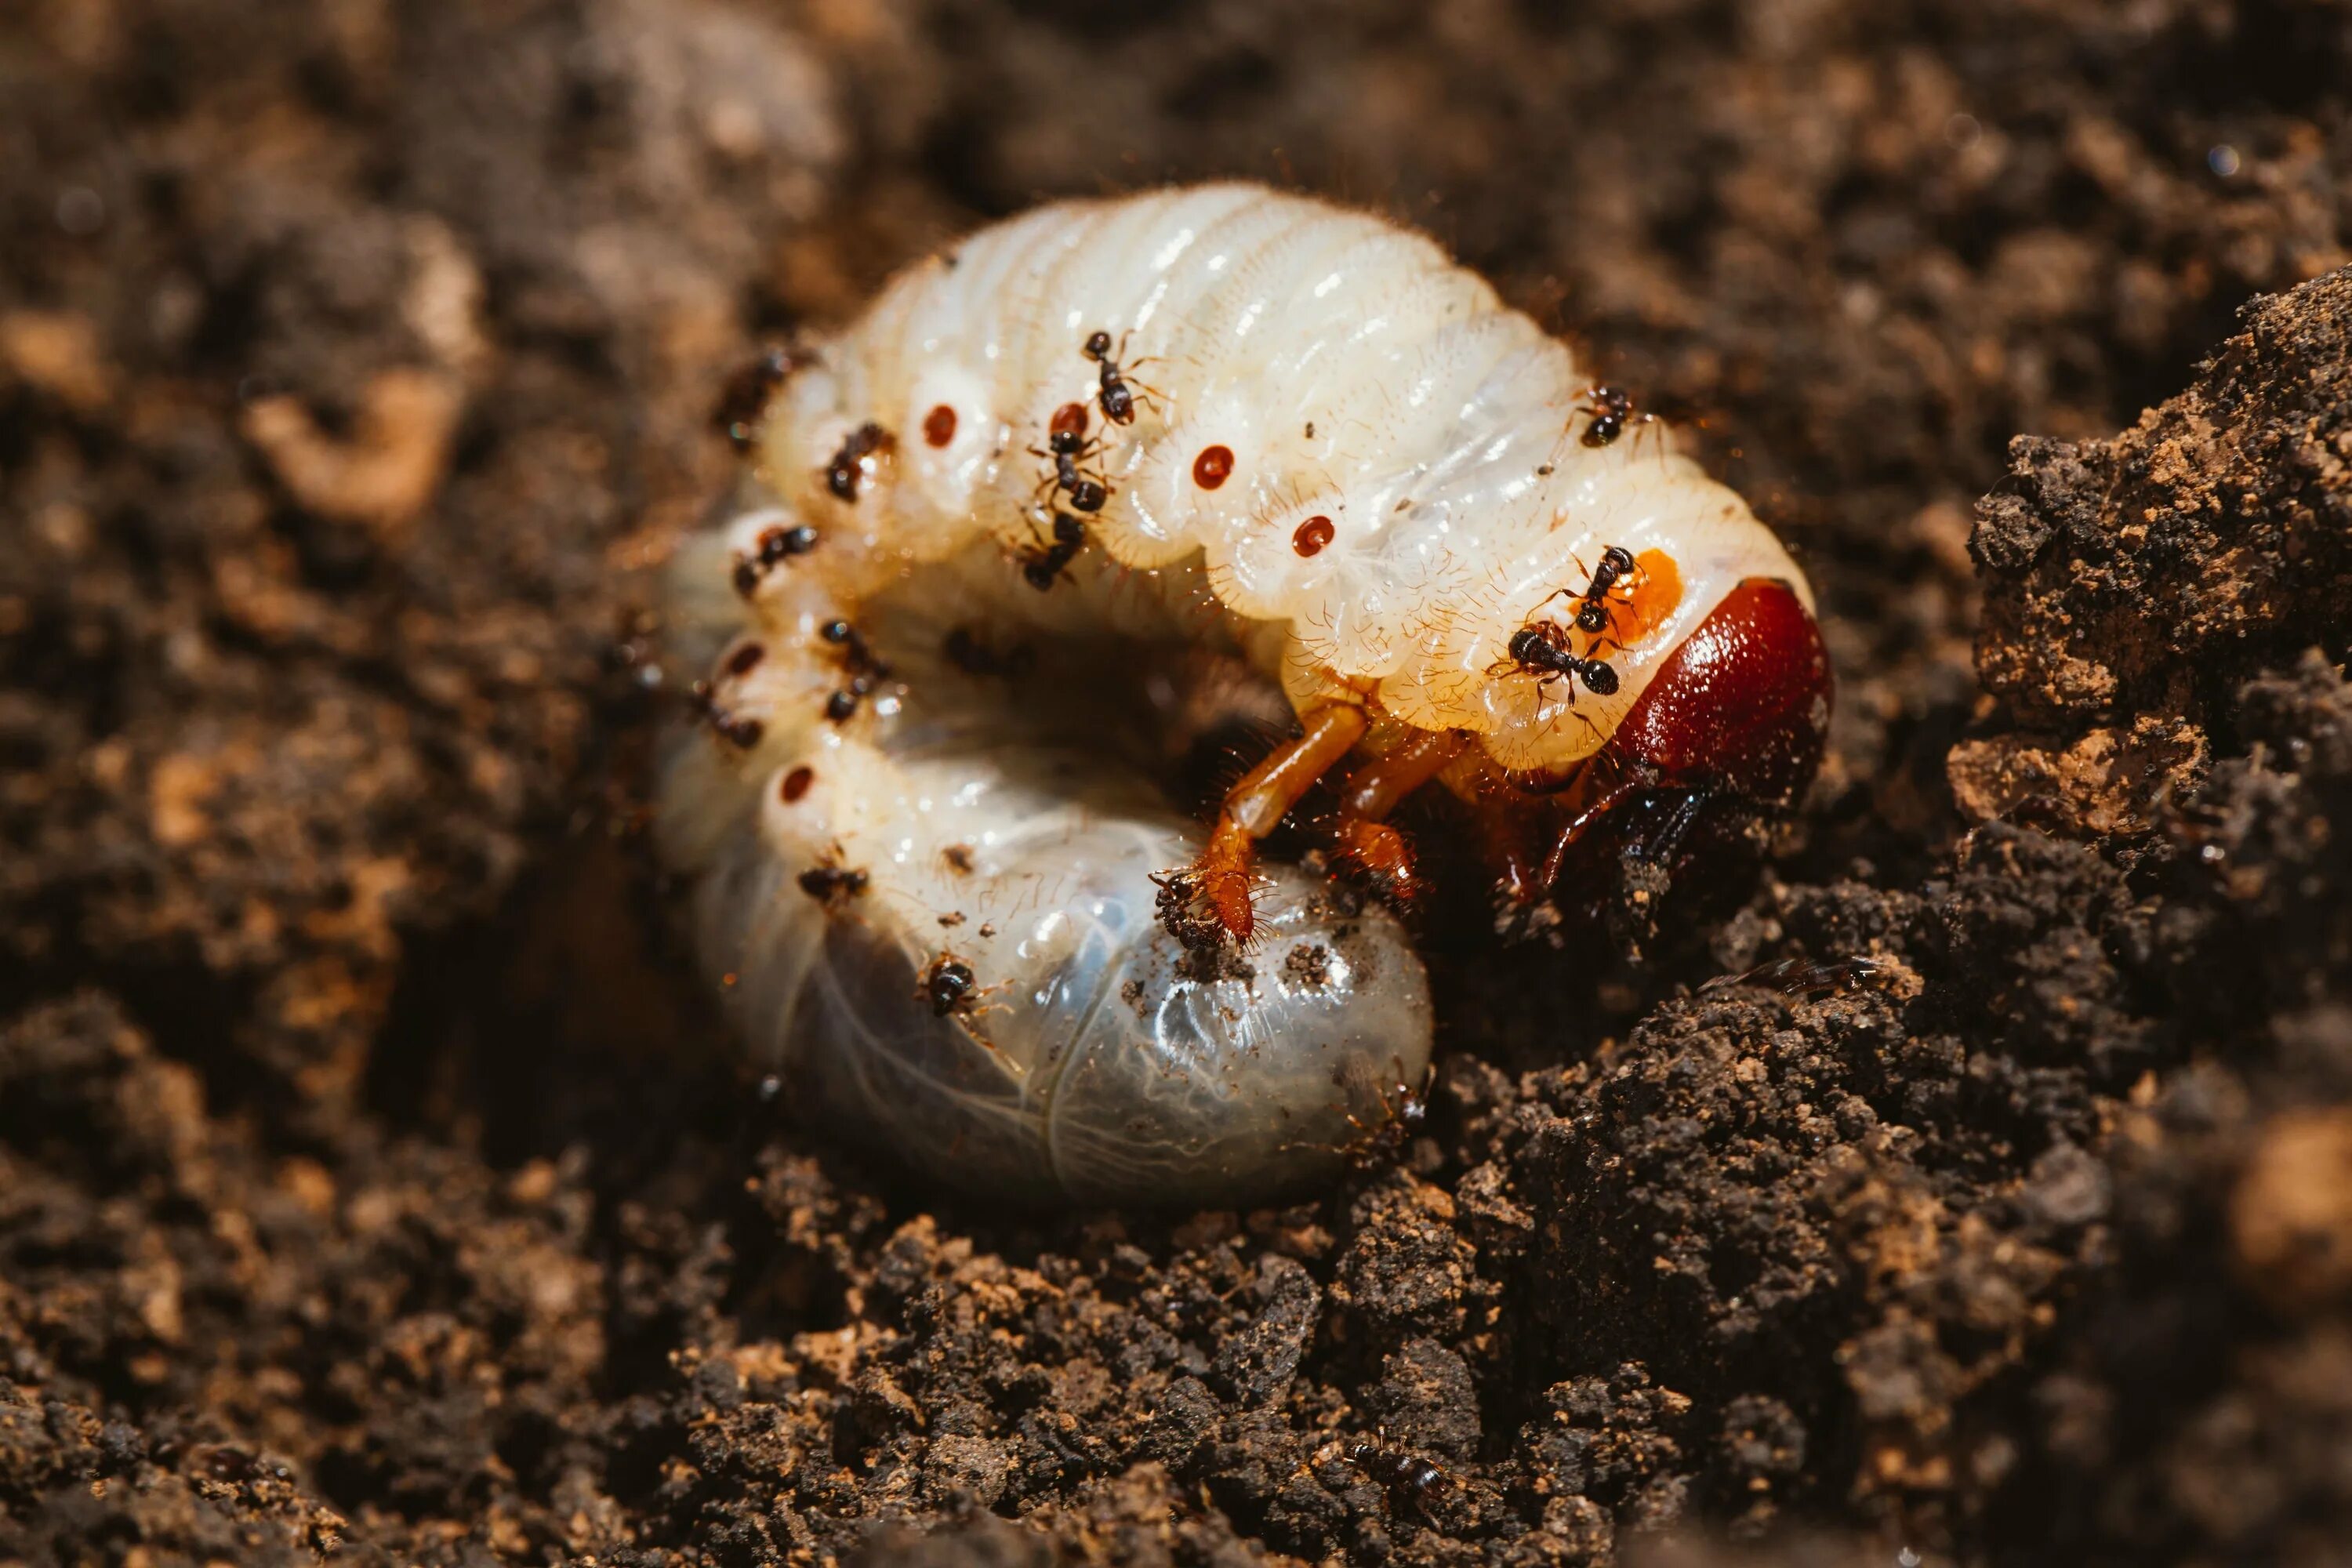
(1059, 502)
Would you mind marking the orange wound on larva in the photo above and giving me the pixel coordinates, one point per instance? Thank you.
(1658, 589)
(1070, 419)
(940, 425)
(1212, 467)
(1312, 535)
(796, 784)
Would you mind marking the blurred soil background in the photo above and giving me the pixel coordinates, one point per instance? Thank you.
(375, 1185)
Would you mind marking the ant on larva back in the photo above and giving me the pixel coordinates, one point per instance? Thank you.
(854, 461)
(1593, 610)
(858, 660)
(1541, 649)
(1116, 397)
(949, 986)
(1067, 448)
(1611, 409)
(1042, 565)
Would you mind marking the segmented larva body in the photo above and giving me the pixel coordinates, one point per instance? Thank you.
(1061, 499)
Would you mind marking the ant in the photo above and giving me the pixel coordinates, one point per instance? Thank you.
(1541, 648)
(737, 729)
(1067, 445)
(1592, 609)
(775, 545)
(949, 986)
(1611, 408)
(1042, 566)
(1398, 1472)
(1404, 1107)
(830, 884)
(864, 669)
(852, 463)
(1118, 398)
(749, 391)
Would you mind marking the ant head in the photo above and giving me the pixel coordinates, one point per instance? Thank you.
(1529, 645)
(1066, 443)
(1097, 344)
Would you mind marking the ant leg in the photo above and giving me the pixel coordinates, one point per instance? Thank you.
(1375, 790)
(1255, 806)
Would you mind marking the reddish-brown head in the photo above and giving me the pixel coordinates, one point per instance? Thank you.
(1743, 703)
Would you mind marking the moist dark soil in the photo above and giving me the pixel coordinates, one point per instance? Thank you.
(376, 1184)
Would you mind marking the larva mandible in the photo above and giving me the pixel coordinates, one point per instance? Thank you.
(1103, 469)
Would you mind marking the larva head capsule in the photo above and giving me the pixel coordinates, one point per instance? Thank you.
(1744, 703)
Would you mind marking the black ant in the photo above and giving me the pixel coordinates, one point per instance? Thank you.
(1118, 398)
(1592, 609)
(749, 391)
(949, 986)
(1541, 648)
(737, 729)
(1066, 444)
(1042, 566)
(1611, 408)
(830, 884)
(775, 545)
(850, 465)
(1397, 1472)
(864, 669)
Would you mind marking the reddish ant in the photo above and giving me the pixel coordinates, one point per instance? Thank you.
(1541, 648)
(847, 471)
(949, 986)
(737, 729)
(749, 391)
(1118, 398)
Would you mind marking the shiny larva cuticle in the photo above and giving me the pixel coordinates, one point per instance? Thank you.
(1061, 499)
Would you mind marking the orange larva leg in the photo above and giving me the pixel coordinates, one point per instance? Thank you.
(1375, 789)
(1255, 806)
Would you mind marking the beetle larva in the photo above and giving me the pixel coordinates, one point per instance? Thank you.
(1063, 491)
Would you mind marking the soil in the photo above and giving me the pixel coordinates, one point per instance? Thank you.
(375, 1183)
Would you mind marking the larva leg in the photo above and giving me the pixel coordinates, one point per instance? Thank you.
(1375, 789)
(1218, 884)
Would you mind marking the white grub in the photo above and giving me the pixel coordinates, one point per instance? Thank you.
(1002, 811)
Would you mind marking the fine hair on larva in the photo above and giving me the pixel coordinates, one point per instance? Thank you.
(1015, 543)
